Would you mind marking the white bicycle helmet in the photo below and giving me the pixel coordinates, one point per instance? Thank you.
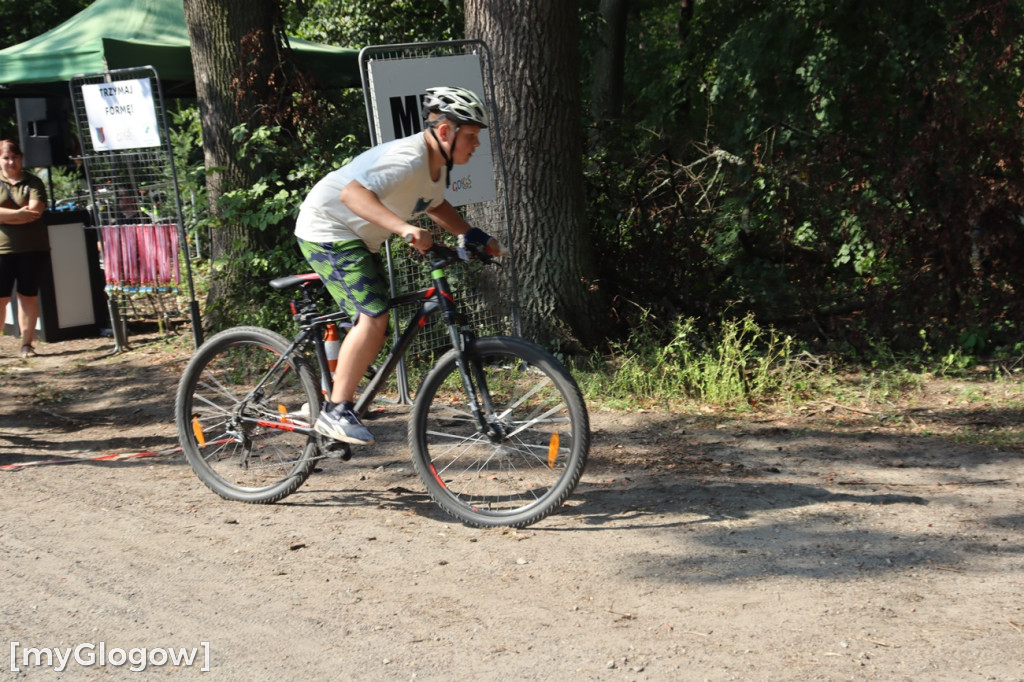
(458, 104)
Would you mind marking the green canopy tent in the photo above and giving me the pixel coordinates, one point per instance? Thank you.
(130, 35)
(115, 34)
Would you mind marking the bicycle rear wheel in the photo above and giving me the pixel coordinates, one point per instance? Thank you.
(235, 411)
(540, 434)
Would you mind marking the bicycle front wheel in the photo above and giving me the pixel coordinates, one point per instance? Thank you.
(236, 411)
(530, 455)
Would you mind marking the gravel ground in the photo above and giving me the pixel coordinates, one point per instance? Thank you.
(827, 543)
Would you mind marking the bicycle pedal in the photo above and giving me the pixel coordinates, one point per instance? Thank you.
(373, 413)
(337, 450)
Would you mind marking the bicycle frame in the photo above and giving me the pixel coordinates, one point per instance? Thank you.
(435, 299)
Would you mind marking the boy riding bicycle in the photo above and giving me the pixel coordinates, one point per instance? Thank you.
(351, 212)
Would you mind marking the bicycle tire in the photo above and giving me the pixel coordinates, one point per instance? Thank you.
(528, 473)
(231, 453)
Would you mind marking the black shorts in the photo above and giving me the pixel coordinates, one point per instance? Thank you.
(23, 267)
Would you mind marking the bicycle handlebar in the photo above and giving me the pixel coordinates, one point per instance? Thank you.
(444, 255)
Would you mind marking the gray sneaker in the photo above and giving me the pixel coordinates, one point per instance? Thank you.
(339, 422)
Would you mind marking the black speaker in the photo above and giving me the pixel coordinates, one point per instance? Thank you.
(41, 126)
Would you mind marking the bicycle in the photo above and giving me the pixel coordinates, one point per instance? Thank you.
(499, 431)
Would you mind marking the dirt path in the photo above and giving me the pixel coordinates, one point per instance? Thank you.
(827, 545)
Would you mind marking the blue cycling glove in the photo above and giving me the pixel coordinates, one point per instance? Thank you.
(478, 241)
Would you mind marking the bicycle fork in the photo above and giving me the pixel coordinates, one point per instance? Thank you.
(474, 382)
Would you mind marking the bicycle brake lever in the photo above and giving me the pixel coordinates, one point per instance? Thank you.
(479, 254)
(484, 257)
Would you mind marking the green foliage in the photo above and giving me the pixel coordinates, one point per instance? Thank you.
(267, 210)
(356, 23)
(186, 137)
(68, 182)
(294, 155)
(734, 363)
(879, 192)
(845, 173)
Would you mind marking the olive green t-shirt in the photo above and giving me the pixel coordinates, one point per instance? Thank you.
(29, 236)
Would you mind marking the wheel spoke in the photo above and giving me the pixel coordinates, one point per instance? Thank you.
(235, 381)
(507, 479)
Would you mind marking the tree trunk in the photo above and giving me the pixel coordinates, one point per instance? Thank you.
(609, 61)
(535, 46)
(231, 40)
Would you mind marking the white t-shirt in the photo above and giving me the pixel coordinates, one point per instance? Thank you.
(397, 172)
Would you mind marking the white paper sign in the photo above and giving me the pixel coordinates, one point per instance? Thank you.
(121, 115)
(395, 90)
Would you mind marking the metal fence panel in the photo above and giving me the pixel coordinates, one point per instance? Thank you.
(488, 295)
(136, 205)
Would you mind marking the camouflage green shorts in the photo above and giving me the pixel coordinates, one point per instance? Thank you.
(354, 277)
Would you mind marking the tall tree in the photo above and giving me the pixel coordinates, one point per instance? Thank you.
(887, 160)
(535, 46)
(237, 53)
(609, 61)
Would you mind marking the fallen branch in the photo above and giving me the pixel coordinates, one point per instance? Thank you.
(622, 616)
(885, 644)
(943, 485)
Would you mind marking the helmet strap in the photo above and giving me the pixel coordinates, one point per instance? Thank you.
(449, 156)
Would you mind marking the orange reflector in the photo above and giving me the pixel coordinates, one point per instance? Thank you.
(553, 450)
(197, 429)
(284, 414)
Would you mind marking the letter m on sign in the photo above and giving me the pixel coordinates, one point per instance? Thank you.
(405, 114)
